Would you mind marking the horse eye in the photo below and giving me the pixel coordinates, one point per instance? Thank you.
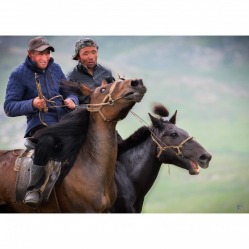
(102, 90)
(174, 134)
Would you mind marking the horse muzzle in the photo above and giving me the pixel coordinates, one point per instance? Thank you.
(203, 162)
(137, 91)
(133, 96)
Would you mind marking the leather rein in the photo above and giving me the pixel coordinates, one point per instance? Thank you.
(108, 100)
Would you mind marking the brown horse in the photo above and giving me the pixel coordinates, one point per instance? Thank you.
(89, 186)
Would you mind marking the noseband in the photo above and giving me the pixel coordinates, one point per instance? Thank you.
(108, 100)
(163, 148)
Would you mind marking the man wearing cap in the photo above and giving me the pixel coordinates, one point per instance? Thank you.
(42, 106)
(88, 71)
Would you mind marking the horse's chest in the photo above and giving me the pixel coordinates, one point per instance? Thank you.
(88, 193)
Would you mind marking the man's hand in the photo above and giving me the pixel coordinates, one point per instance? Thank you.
(39, 103)
(69, 103)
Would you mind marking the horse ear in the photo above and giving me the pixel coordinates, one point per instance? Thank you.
(156, 122)
(173, 118)
(85, 90)
(103, 82)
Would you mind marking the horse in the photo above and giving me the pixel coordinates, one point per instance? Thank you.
(89, 185)
(141, 155)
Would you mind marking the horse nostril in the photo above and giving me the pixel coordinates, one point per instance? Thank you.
(137, 82)
(134, 83)
(205, 157)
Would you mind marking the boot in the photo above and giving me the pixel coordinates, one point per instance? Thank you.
(37, 175)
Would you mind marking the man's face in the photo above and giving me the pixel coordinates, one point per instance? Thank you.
(40, 58)
(88, 57)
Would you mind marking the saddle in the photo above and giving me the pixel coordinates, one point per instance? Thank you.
(22, 166)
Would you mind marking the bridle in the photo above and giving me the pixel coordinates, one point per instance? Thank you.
(108, 100)
(163, 148)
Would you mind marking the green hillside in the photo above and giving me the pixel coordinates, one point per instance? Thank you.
(205, 78)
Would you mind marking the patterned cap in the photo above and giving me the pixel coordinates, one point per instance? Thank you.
(87, 42)
(39, 44)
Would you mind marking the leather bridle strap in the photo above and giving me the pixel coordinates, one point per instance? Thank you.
(108, 100)
(154, 137)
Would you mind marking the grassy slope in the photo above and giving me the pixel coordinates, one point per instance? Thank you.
(205, 79)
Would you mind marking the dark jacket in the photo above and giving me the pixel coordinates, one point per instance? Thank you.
(80, 74)
(21, 90)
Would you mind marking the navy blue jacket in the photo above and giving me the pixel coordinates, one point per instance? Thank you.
(21, 90)
(80, 74)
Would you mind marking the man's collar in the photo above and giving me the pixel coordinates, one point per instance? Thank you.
(85, 69)
(32, 65)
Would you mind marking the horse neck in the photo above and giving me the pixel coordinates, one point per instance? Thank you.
(142, 165)
(100, 146)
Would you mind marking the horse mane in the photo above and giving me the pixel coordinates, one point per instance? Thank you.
(71, 86)
(134, 139)
(143, 132)
(70, 133)
(160, 110)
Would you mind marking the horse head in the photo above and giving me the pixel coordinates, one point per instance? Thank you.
(174, 144)
(113, 101)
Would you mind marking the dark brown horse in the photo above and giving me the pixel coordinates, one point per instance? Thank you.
(89, 185)
(141, 155)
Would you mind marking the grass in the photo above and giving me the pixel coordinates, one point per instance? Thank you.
(222, 188)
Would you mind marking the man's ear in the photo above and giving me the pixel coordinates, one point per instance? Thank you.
(77, 57)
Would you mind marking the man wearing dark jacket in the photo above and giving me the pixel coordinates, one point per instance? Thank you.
(88, 71)
(34, 90)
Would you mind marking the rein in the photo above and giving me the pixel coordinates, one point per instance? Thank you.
(163, 148)
(108, 100)
(48, 107)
